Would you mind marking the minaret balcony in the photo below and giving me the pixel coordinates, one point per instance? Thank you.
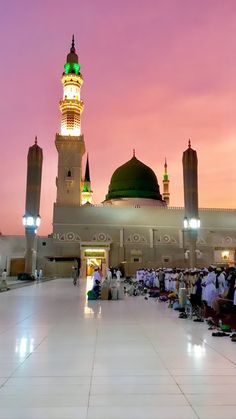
(72, 78)
(71, 104)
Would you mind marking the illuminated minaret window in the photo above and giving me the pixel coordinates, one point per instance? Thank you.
(166, 194)
(70, 142)
(71, 106)
(87, 193)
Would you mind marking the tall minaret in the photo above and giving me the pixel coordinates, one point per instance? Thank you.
(70, 142)
(31, 219)
(166, 193)
(190, 164)
(191, 219)
(87, 193)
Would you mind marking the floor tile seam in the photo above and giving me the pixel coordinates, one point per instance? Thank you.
(209, 394)
(217, 351)
(92, 371)
(214, 349)
(16, 323)
(23, 284)
(172, 376)
(214, 405)
(23, 319)
(18, 366)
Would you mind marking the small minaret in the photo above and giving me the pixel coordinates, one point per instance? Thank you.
(87, 193)
(191, 219)
(31, 219)
(166, 193)
(70, 142)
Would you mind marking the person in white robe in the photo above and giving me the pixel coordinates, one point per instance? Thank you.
(168, 279)
(109, 275)
(173, 281)
(220, 282)
(3, 281)
(209, 289)
(96, 276)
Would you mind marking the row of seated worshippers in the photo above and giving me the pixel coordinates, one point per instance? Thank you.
(167, 279)
(215, 296)
(215, 286)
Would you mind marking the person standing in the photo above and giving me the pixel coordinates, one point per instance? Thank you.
(3, 283)
(161, 278)
(220, 283)
(109, 275)
(74, 274)
(118, 274)
(96, 276)
(209, 290)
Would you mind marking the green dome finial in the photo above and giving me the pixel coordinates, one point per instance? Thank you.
(72, 49)
(72, 63)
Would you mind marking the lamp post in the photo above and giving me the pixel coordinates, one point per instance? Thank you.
(190, 232)
(31, 224)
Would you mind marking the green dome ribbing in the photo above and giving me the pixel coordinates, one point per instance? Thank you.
(134, 180)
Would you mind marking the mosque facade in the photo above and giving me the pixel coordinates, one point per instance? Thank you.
(133, 227)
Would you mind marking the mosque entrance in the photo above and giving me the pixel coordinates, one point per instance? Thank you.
(91, 264)
(94, 257)
(17, 265)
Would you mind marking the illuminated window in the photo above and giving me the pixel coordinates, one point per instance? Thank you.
(225, 255)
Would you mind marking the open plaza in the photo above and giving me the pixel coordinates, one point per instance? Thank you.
(63, 356)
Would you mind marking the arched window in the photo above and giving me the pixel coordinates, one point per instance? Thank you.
(69, 173)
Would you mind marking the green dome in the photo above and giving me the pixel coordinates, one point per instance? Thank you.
(134, 180)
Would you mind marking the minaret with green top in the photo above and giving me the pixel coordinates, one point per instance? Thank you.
(166, 182)
(87, 193)
(70, 142)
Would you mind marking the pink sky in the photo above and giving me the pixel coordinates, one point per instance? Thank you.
(156, 72)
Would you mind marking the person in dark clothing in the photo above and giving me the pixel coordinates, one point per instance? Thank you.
(227, 298)
(97, 288)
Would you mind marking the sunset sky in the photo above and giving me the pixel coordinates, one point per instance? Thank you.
(156, 73)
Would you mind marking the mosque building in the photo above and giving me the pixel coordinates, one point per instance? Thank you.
(133, 227)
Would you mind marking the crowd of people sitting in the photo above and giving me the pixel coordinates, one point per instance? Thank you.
(206, 293)
(197, 293)
(111, 284)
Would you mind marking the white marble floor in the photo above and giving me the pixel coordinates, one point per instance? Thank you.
(64, 358)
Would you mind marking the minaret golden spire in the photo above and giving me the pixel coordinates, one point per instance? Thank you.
(73, 44)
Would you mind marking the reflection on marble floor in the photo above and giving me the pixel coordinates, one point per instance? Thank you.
(62, 356)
